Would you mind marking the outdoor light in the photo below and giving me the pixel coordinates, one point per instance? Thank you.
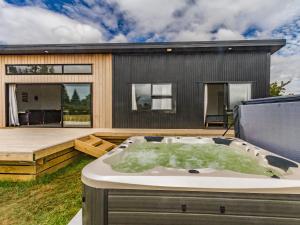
(169, 50)
(229, 49)
(46, 52)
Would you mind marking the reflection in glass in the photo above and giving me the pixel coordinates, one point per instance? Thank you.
(162, 104)
(33, 69)
(40, 69)
(78, 69)
(141, 97)
(39, 104)
(162, 90)
(76, 100)
(239, 93)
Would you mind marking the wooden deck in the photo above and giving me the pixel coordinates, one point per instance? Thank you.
(21, 144)
(27, 153)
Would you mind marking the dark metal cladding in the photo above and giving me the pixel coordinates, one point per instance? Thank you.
(188, 72)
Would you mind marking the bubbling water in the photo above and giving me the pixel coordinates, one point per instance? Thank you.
(141, 157)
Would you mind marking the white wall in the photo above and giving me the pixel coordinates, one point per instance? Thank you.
(49, 97)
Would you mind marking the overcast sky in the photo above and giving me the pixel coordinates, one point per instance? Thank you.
(79, 21)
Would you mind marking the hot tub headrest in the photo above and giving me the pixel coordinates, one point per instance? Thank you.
(153, 138)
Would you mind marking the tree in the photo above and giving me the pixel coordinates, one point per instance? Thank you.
(277, 89)
(65, 96)
(75, 98)
(86, 103)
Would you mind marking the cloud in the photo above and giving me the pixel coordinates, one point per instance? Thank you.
(284, 68)
(176, 20)
(226, 34)
(32, 24)
(120, 38)
(291, 32)
(218, 19)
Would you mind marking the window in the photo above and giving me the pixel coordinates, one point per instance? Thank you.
(76, 101)
(33, 69)
(162, 104)
(77, 69)
(141, 97)
(238, 93)
(147, 97)
(162, 89)
(45, 69)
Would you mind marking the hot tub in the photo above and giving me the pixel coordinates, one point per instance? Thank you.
(190, 180)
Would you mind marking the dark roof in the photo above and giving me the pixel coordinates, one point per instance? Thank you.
(271, 46)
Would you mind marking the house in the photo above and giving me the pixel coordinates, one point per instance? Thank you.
(131, 85)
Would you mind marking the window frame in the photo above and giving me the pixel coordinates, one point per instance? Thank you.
(47, 74)
(173, 98)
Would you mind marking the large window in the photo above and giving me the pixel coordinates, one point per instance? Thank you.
(50, 105)
(76, 101)
(45, 69)
(153, 97)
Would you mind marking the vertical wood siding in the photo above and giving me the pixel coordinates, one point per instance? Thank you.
(188, 72)
(101, 80)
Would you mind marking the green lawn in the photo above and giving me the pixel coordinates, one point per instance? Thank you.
(53, 199)
(78, 118)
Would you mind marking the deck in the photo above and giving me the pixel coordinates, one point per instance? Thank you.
(26, 153)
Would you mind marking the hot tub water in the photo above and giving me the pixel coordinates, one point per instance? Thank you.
(140, 157)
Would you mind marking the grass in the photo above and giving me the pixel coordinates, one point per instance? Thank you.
(78, 118)
(52, 199)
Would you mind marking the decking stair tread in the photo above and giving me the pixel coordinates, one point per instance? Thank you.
(94, 140)
(93, 146)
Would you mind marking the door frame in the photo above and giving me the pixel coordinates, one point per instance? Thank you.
(225, 98)
(226, 94)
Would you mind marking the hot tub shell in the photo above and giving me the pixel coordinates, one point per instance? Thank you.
(174, 196)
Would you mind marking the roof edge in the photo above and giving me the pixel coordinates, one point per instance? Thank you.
(271, 45)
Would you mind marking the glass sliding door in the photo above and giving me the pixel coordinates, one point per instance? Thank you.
(238, 92)
(76, 102)
(235, 94)
(37, 105)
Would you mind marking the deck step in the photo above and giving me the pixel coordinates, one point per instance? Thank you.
(94, 140)
(93, 146)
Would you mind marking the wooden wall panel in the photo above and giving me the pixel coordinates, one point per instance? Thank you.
(101, 80)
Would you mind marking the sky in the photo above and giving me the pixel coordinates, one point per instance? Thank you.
(98, 21)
